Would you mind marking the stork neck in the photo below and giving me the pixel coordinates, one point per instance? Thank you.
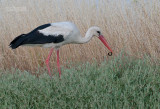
(87, 37)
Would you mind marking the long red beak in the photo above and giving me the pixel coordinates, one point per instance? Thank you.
(105, 43)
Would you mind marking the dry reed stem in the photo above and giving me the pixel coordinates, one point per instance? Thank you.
(133, 27)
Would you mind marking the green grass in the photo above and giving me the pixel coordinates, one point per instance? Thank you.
(127, 83)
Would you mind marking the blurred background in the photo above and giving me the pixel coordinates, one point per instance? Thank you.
(130, 26)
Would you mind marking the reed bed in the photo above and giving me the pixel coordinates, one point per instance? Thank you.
(133, 27)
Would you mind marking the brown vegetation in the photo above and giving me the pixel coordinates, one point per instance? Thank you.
(132, 27)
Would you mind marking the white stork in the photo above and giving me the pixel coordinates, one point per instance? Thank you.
(54, 35)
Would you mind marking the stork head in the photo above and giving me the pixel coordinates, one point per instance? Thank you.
(97, 32)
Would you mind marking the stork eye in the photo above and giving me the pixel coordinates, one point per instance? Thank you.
(99, 32)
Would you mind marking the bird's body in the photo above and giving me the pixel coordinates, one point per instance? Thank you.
(54, 35)
(51, 35)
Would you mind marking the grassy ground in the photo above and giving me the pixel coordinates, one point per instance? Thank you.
(127, 83)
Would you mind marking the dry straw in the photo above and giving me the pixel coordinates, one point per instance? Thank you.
(133, 27)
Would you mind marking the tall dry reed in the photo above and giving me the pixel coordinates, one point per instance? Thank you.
(133, 27)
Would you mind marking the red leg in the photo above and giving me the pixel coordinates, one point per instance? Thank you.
(47, 62)
(58, 65)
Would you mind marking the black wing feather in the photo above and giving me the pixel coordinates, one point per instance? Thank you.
(40, 38)
(17, 41)
(34, 37)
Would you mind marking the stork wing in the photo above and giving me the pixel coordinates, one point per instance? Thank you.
(56, 31)
(49, 33)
